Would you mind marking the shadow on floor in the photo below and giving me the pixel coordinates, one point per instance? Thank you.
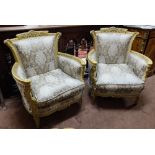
(60, 116)
(117, 103)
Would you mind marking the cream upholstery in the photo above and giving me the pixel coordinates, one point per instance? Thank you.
(54, 85)
(114, 45)
(116, 70)
(48, 80)
(117, 78)
(138, 64)
(116, 74)
(39, 52)
(70, 67)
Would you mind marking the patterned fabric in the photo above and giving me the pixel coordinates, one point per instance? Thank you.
(119, 72)
(72, 96)
(112, 48)
(59, 105)
(116, 74)
(70, 66)
(26, 103)
(54, 85)
(116, 79)
(21, 72)
(93, 56)
(92, 68)
(119, 89)
(49, 106)
(137, 64)
(36, 54)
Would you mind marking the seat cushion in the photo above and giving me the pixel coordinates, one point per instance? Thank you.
(116, 74)
(117, 78)
(54, 85)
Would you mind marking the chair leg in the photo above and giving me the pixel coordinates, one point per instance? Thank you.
(136, 100)
(80, 101)
(93, 96)
(133, 102)
(37, 121)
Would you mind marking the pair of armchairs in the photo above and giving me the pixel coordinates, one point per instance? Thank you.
(50, 81)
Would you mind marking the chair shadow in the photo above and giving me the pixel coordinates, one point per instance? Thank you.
(109, 103)
(60, 116)
(25, 121)
(21, 119)
(117, 103)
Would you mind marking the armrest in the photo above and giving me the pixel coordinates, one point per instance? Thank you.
(23, 83)
(92, 63)
(92, 57)
(139, 63)
(19, 74)
(71, 65)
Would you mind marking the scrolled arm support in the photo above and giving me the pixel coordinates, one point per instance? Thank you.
(24, 85)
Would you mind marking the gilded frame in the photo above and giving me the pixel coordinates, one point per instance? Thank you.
(26, 83)
(94, 63)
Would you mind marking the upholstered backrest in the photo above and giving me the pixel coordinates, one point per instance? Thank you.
(37, 54)
(113, 44)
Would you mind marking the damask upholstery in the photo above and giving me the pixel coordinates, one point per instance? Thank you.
(54, 85)
(116, 74)
(39, 52)
(48, 80)
(138, 63)
(117, 78)
(114, 45)
(70, 67)
(116, 70)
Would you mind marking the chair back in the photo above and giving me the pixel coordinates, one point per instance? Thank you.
(36, 51)
(113, 44)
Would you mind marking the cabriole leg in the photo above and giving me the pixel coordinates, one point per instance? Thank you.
(37, 121)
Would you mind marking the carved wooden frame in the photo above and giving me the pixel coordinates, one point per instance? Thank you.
(93, 70)
(26, 83)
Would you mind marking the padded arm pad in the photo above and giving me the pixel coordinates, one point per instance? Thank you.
(71, 65)
(19, 74)
(92, 62)
(92, 57)
(139, 63)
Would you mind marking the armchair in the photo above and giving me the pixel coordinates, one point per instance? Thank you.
(116, 70)
(48, 80)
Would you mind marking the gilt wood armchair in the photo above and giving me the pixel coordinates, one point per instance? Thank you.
(48, 80)
(115, 69)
